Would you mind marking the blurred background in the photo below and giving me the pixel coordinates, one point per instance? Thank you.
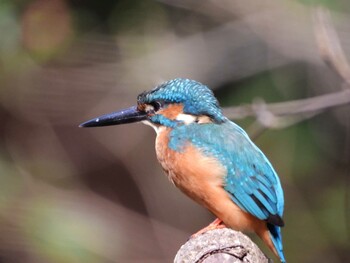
(98, 195)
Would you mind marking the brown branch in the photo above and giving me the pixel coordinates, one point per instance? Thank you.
(283, 114)
(226, 245)
(333, 53)
(310, 105)
(329, 44)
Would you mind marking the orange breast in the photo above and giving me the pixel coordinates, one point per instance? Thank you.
(202, 179)
(189, 170)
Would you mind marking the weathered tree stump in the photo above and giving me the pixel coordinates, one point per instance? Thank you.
(220, 246)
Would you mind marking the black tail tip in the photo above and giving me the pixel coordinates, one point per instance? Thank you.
(275, 220)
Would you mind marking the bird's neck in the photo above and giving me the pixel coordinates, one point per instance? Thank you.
(161, 124)
(161, 120)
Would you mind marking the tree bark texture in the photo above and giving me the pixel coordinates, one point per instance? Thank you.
(220, 246)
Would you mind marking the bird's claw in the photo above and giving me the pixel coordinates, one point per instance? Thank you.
(216, 224)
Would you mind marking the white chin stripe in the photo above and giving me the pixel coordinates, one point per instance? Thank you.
(148, 123)
(157, 128)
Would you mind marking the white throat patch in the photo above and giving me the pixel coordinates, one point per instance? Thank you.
(157, 128)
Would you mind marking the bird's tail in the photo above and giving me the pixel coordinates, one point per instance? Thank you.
(276, 237)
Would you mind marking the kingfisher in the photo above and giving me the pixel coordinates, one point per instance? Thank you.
(209, 158)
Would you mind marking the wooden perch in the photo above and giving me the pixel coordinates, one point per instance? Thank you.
(220, 246)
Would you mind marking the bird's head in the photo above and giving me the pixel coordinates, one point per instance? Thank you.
(178, 101)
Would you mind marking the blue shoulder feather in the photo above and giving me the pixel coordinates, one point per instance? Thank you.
(251, 180)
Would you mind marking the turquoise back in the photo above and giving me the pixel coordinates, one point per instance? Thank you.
(250, 178)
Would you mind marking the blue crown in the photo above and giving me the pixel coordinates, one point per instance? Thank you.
(196, 98)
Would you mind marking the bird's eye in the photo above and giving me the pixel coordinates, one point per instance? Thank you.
(157, 105)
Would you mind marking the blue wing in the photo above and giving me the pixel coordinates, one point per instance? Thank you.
(251, 180)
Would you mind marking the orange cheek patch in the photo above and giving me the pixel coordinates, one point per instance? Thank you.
(141, 107)
(172, 111)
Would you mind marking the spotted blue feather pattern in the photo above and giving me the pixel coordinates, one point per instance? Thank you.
(196, 98)
(250, 179)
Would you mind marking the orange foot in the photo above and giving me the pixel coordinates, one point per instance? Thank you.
(216, 224)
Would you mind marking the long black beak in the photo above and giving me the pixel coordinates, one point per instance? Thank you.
(128, 115)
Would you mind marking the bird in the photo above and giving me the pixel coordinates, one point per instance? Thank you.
(209, 158)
